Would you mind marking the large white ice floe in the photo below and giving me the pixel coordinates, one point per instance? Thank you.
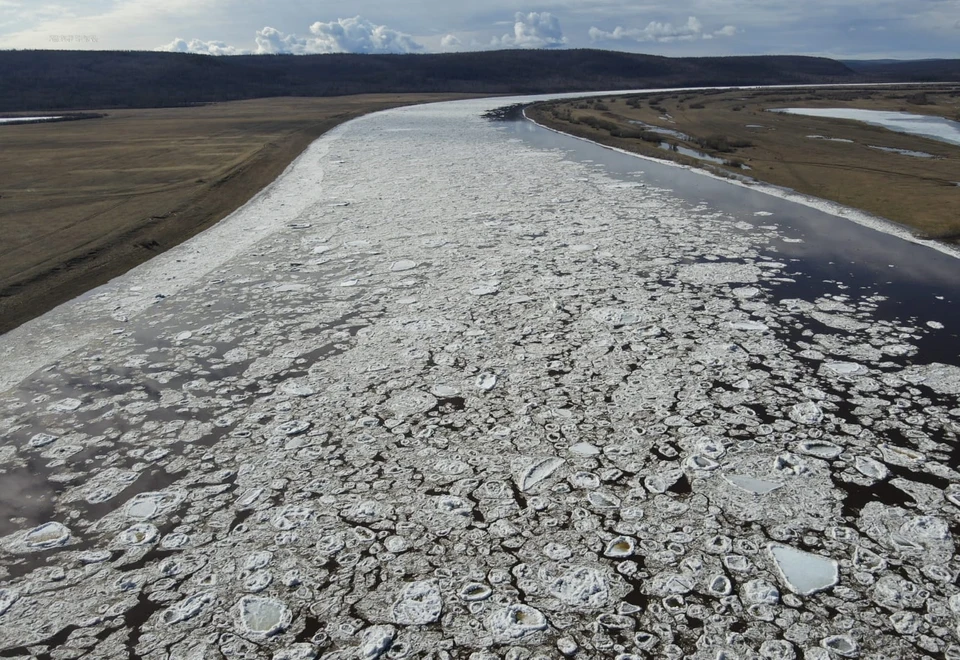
(804, 573)
(262, 617)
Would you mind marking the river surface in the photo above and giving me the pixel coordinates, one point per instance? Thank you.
(453, 386)
(935, 128)
(827, 254)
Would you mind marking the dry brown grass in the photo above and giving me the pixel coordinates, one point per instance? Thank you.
(917, 192)
(84, 201)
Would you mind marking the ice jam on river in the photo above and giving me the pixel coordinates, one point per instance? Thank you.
(438, 393)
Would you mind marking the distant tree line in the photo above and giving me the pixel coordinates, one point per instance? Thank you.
(59, 80)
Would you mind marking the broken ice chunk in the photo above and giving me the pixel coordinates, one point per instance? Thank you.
(376, 641)
(139, 534)
(66, 405)
(419, 604)
(42, 440)
(581, 586)
(749, 326)
(584, 449)
(402, 265)
(144, 505)
(258, 581)
(7, 598)
(760, 592)
(746, 292)
(48, 535)
(699, 463)
(408, 403)
(662, 481)
(620, 547)
(603, 500)
(752, 485)
(263, 617)
(806, 413)
(486, 382)
(843, 645)
(187, 608)
(485, 289)
(845, 368)
(444, 391)
(294, 427)
(719, 273)
(901, 456)
(296, 388)
(941, 378)
(475, 591)
(515, 622)
(537, 472)
(869, 467)
(804, 573)
(819, 449)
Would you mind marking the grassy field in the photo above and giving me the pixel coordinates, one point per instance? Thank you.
(736, 127)
(84, 201)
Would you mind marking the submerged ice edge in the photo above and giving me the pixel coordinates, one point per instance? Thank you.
(858, 216)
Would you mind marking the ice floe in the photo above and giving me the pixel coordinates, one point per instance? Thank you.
(803, 572)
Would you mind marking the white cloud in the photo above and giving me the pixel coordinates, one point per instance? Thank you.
(533, 30)
(345, 35)
(917, 28)
(662, 32)
(358, 35)
(200, 47)
(271, 41)
(450, 41)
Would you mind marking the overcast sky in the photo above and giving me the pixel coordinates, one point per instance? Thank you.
(835, 28)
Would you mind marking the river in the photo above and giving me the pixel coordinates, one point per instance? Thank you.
(451, 385)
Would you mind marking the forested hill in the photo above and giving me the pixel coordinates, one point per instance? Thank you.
(908, 70)
(51, 80)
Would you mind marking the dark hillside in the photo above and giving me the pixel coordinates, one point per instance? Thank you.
(53, 80)
(903, 71)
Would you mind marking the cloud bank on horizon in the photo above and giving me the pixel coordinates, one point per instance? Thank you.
(838, 28)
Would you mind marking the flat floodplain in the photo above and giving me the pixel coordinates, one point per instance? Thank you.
(909, 179)
(84, 201)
